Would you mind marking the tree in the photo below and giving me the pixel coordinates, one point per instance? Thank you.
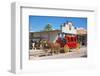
(48, 27)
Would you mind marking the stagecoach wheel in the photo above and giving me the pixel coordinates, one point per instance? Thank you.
(66, 49)
(78, 48)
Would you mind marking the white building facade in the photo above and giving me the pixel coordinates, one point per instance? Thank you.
(68, 28)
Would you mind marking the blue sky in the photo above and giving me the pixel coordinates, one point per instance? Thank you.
(38, 23)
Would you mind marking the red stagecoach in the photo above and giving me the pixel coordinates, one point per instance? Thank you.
(68, 42)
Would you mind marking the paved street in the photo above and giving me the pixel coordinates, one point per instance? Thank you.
(74, 54)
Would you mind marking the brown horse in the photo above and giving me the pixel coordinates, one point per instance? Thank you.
(55, 47)
(47, 46)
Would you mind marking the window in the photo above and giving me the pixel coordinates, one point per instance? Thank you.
(69, 27)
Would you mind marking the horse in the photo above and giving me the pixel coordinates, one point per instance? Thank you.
(36, 45)
(47, 46)
(54, 47)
